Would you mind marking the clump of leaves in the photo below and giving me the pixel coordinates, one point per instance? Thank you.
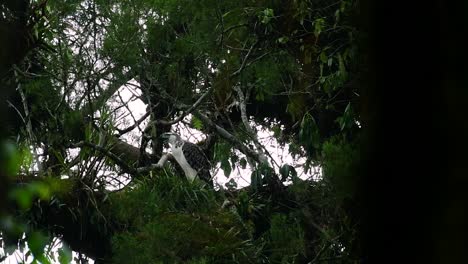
(169, 219)
(286, 239)
(340, 160)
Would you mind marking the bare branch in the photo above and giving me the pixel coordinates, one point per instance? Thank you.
(229, 137)
(247, 126)
(107, 153)
(137, 123)
(159, 165)
(243, 62)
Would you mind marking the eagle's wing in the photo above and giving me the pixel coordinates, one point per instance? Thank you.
(197, 159)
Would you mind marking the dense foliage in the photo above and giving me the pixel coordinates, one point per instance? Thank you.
(78, 162)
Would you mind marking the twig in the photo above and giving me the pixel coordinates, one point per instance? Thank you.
(243, 62)
(234, 27)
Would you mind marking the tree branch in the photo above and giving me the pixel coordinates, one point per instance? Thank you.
(247, 126)
(107, 153)
(159, 165)
(138, 122)
(243, 65)
(229, 137)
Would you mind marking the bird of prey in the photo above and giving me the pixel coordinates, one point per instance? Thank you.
(190, 157)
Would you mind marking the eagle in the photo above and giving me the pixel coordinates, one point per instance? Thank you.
(190, 157)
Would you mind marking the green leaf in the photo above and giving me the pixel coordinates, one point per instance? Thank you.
(222, 154)
(196, 123)
(323, 57)
(266, 15)
(10, 158)
(36, 242)
(318, 26)
(347, 118)
(286, 170)
(41, 189)
(65, 254)
(41, 259)
(309, 132)
(226, 167)
(337, 15)
(283, 40)
(243, 163)
(22, 197)
(234, 159)
(256, 179)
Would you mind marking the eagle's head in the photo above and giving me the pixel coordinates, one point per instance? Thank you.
(170, 137)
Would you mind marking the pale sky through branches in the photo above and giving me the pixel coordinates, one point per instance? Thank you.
(280, 154)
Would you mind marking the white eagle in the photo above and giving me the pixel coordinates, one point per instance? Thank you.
(189, 156)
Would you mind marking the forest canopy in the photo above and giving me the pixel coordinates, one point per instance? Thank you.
(78, 163)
